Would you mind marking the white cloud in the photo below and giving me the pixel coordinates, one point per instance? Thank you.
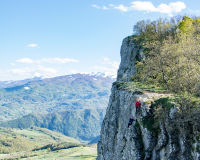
(45, 67)
(12, 64)
(105, 59)
(47, 60)
(193, 12)
(107, 66)
(37, 71)
(32, 45)
(96, 6)
(114, 64)
(59, 60)
(99, 7)
(121, 7)
(177, 6)
(19, 71)
(148, 6)
(105, 8)
(37, 74)
(25, 60)
(29, 72)
(51, 67)
(142, 6)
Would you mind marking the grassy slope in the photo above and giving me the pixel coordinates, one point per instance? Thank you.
(76, 153)
(40, 143)
(14, 140)
(140, 87)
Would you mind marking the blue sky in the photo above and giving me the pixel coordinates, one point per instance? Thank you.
(56, 37)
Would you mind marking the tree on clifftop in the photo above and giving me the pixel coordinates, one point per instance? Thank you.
(172, 54)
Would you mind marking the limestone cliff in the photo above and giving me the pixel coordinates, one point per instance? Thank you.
(141, 141)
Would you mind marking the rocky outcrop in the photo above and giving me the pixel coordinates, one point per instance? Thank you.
(130, 53)
(141, 141)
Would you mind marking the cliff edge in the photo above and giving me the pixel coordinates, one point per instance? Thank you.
(148, 138)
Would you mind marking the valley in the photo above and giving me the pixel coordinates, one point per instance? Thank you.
(73, 105)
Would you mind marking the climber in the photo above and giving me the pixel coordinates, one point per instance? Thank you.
(137, 104)
(130, 121)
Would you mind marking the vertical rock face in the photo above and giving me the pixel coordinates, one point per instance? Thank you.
(140, 141)
(130, 52)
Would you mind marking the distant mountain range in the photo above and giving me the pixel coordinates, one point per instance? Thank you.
(12, 83)
(7, 84)
(73, 105)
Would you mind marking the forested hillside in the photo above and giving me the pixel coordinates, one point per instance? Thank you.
(73, 105)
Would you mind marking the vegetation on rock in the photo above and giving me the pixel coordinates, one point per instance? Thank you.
(172, 64)
(171, 54)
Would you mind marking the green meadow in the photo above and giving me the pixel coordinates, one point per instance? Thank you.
(42, 144)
